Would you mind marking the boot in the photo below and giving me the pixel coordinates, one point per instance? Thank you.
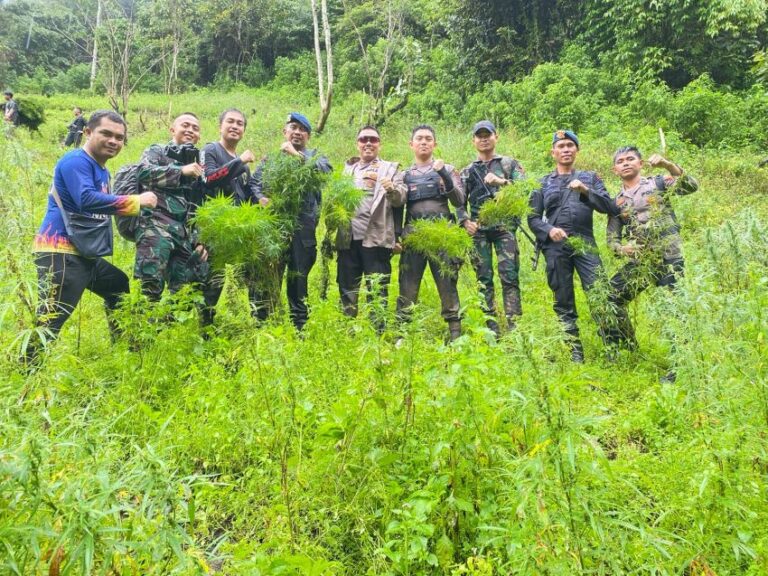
(454, 330)
(493, 326)
(577, 350)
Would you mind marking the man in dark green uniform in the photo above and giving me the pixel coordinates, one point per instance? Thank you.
(166, 250)
(482, 179)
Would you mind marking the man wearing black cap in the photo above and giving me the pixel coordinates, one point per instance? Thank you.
(302, 252)
(482, 180)
(562, 209)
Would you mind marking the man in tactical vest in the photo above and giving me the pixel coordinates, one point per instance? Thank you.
(645, 231)
(366, 247)
(302, 252)
(482, 180)
(562, 209)
(166, 250)
(431, 185)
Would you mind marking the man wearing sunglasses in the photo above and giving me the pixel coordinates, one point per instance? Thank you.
(365, 248)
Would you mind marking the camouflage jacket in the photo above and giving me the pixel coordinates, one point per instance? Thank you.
(162, 175)
(477, 191)
(646, 218)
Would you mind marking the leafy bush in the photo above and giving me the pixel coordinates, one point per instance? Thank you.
(31, 112)
(247, 234)
(439, 240)
(709, 117)
(297, 73)
(341, 199)
(510, 204)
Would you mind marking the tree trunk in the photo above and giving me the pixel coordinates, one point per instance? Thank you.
(94, 58)
(324, 80)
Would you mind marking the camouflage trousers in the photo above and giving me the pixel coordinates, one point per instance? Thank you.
(165, 254)
(508, 262)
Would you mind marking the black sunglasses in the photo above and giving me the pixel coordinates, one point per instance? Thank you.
(369, 139)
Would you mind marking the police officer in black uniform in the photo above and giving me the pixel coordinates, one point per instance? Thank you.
(302, 252)
(561, 209)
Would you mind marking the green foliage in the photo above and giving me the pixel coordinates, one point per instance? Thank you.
(287, 181)
(511, 204)
(341, 198)
(439, 240)
(246, 235)
(31, 112)
(261, 451)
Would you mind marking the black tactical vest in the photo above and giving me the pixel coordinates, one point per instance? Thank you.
(422, 186)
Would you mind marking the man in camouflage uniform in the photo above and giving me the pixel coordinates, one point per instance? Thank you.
(431, 185)
(166, 250)
(646, 232)
(482, 179)
(561, 209)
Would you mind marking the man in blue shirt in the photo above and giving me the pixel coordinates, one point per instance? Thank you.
(82, 182)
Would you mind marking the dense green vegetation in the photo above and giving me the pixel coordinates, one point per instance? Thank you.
(259, 452)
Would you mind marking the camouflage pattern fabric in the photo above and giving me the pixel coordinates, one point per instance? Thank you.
(508, 257)
(165, 242)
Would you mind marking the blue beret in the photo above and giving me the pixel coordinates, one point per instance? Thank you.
(300, 119)
(565, 135)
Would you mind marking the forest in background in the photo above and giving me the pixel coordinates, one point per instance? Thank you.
(260, 452)
(423, 56)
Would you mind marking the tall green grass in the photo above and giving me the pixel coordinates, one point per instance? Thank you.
(341, 452)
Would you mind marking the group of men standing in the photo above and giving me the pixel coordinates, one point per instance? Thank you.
(641, 228)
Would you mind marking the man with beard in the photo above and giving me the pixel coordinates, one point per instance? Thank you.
(165, 248)
(431, 186)
(228, 173)
(366, 247)
(563, 208)
(302, 251)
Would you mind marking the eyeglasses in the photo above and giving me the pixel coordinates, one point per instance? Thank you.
(369, 139)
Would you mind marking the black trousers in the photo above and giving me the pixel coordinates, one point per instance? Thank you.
(296, 264)
(299, 262)
(412, 267)
(73, 139)
(359, 261)
(562, 261)
(62, 279)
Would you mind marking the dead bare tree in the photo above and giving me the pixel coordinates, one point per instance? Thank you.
(325, 81)
(118, 34)
(377, 73)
